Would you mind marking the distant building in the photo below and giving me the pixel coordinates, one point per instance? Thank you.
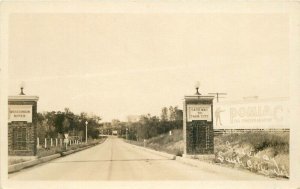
(179, 114)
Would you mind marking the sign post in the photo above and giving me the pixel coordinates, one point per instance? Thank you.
(198, 126)
(66, 140)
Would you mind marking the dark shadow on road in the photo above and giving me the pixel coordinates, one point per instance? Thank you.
(87, 161)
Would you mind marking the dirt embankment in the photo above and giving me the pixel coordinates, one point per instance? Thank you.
(261, 152)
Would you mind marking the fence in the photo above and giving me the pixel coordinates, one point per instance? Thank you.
(230, 131)
(48, 143)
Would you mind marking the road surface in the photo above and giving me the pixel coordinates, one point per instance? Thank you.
(117, 160)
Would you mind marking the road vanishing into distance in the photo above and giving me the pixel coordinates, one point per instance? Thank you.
(117, 160)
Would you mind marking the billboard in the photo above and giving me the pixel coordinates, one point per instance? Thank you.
(252, 114)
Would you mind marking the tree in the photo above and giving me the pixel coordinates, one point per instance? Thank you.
(172, 114)
(164, 114)
(66, 125)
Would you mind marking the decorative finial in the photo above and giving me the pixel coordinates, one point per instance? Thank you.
(197, 85)
(22, 86)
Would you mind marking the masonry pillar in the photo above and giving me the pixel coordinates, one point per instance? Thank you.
(22, 123)
(198, 125)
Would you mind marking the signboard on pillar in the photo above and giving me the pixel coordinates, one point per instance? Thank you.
(198, 125)
(20, 113)
(22, 123)
(198, 112)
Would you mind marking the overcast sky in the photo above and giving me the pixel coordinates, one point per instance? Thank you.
(116, 65)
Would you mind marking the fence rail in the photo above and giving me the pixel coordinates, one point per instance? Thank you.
(48, 143)
(230, 131)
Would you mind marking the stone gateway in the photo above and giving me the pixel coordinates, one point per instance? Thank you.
(22, 123)
(198, 125)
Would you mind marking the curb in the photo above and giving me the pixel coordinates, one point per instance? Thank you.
(19, 166)
(76, 150)
(26, 164)
(67, 152)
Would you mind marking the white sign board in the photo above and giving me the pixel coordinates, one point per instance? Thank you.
(20, 113)
(198, 112)
(258, 114)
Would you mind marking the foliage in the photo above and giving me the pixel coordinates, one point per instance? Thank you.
(164, 114)
(150, 126)
(172, 144)
(55, 124)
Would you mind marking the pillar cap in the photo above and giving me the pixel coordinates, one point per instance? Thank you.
(23, 98)
(198, 96)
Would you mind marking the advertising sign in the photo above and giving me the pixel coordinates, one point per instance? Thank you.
(255, 114)
(20, 113)
(198, 112)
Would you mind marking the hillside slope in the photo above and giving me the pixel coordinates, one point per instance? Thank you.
(262, 152)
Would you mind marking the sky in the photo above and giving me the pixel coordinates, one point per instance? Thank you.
(114, 65)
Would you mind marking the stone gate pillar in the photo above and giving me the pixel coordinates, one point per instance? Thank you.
(22, 123)
(198, 133)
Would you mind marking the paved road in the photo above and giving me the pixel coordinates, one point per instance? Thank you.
(117, 160)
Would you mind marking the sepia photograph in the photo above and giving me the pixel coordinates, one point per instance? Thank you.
(149, 94)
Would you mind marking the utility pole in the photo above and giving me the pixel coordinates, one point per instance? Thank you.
(218, 95)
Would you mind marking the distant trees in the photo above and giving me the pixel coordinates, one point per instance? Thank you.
(164, 114)
(150, 126)
(55, 124)
(171, 114)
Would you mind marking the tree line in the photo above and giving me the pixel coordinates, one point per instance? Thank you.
(56, 123)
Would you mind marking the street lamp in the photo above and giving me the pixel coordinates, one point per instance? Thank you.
(197, 85)
(86, 123)
(22, 85)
